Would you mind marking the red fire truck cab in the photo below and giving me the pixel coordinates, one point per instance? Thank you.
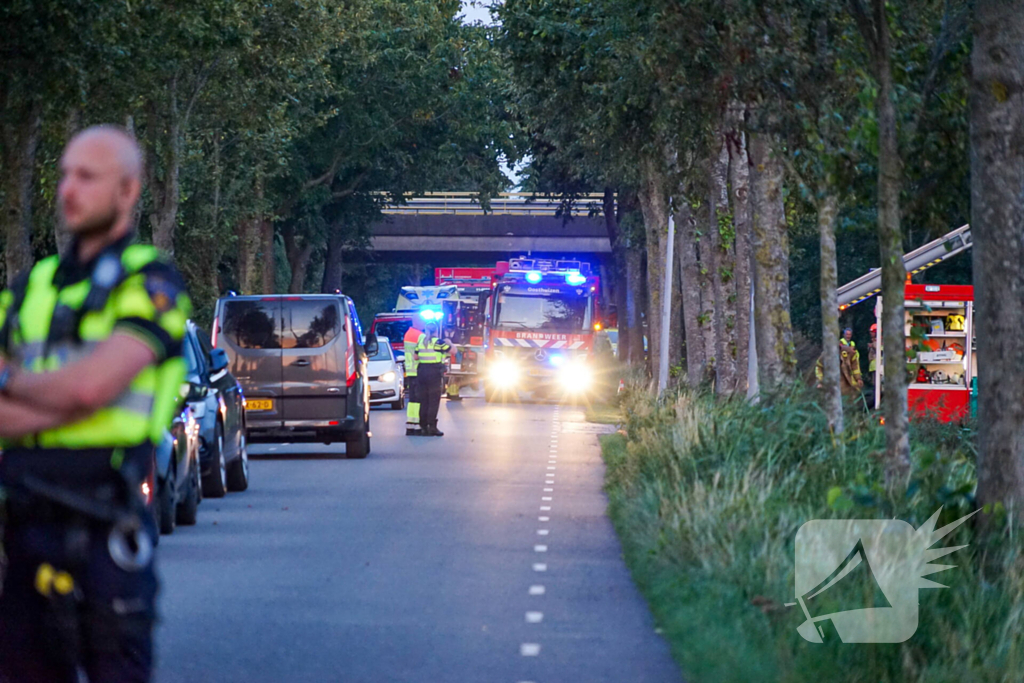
(542, 318)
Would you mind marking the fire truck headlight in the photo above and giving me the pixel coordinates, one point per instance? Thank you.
(576, 377)
(504, 373)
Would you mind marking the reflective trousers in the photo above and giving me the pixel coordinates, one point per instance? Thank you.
(431, 387)
(412, 411)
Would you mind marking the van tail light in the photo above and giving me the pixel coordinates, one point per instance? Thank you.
(350, 358)
(148, 486)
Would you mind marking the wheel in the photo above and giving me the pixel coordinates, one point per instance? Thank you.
(215, 484)
(165, 508)
(399, 404)
(358, 447)
(238, 471)
(188, 508)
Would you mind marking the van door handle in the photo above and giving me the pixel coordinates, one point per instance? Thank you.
(334, 390)
(302, 363)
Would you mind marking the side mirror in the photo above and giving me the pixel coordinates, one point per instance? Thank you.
(196, 392)
(218, 360)
(372, 346)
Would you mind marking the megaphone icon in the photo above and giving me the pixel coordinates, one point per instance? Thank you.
(819, 604)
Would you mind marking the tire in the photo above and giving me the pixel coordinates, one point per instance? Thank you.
(358, 447)
(165, 509)
(215, 484)
(399, 404)
(188, 509)
(238, 470)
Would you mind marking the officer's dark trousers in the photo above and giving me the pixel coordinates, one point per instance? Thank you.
(431, 386)
(115, 618)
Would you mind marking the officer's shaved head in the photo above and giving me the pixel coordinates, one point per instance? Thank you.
(101, 181)
(122, 145)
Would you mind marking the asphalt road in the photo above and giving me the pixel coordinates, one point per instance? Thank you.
(482, 556)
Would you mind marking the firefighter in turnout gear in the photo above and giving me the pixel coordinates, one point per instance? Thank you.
(412, 411)
(430, 354)
(90, 376)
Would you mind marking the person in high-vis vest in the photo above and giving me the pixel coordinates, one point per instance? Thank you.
(430, 355)
(412, 410)
(90, 376)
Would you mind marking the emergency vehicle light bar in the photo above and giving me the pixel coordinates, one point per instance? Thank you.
(547, 266)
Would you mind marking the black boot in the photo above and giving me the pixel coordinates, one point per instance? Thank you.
(434, 431)
(413, 432)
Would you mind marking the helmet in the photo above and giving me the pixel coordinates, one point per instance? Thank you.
(940, 377)
(956, 322)
(922, 376)
(874, 328)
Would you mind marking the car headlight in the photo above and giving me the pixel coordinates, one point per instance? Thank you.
(387, 377)
(576, 377)
(504, 373)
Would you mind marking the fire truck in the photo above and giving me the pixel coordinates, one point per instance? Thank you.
(467, 334)
(542, 320)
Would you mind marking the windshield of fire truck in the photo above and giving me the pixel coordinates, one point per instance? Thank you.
(564, 313)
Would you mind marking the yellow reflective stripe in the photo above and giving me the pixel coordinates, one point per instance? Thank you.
(131, 300)
(110, 427)
(40, 298)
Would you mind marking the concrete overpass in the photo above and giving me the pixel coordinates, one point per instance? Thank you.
(453, 229)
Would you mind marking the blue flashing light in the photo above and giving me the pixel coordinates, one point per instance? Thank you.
(430, 314)
(557, 360)
(534, 277)
(575, 279)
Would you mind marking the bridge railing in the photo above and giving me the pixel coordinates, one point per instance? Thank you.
(507, 203)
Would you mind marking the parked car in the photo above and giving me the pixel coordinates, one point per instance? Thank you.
(218, 406)
(387, 379)
(301, 361)
(178, 490)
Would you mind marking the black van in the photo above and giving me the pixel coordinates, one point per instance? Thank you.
(301, 361)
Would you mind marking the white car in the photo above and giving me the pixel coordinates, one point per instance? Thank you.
(387, 381)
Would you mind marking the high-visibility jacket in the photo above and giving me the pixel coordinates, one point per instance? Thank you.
(158, 307)
(431, 350)
(409, 343)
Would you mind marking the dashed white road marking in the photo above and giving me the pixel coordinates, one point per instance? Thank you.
(546, 498)
(534, 617)
(551, 467)
(540, 567)
(548, 490)
(536, 590)
(540, 548)
(543, 519)
(529, 649)
(545, 508)
(542, 532)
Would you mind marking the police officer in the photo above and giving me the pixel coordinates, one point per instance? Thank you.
(430, 354)
(90, 375)
(409, 343)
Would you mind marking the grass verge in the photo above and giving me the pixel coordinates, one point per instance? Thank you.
(707, 497)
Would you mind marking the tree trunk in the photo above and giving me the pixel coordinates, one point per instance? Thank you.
(162, 171)
(654, 205)
(774, 329)
(268, 262)
(333, 262)
(739, 291)
(61, 236)
(894, 274)
(723, 269)
(687, 246)
(828, 212)
(20, 144)
(997, 224)
(636, 297)
(298, 251)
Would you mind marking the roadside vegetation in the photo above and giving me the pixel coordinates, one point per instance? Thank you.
(707, 497)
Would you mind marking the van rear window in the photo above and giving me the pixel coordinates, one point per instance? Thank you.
(394, 330)
(252, 324)
(310, 324)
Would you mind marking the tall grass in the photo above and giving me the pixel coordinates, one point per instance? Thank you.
(708, 496)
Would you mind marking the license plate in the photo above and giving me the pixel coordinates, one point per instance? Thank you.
(259, 404)
(456, 366)
(539, 373)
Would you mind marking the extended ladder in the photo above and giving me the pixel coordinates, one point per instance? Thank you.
(922, 258)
